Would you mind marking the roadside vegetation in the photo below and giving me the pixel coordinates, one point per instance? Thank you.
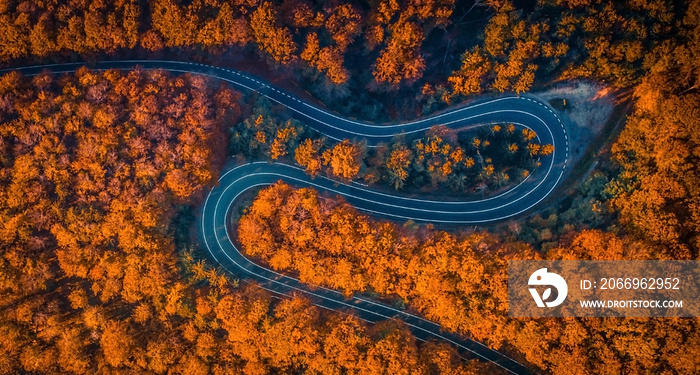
(462, 162)
(460, 281)
(100, 173)
(349, 55)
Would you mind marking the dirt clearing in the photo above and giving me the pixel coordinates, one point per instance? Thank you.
(584, 107)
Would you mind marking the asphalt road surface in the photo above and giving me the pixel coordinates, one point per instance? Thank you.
(216, 232)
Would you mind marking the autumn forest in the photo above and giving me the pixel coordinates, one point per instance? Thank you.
(104, 173)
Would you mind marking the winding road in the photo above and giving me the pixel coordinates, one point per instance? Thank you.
(523, 111)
